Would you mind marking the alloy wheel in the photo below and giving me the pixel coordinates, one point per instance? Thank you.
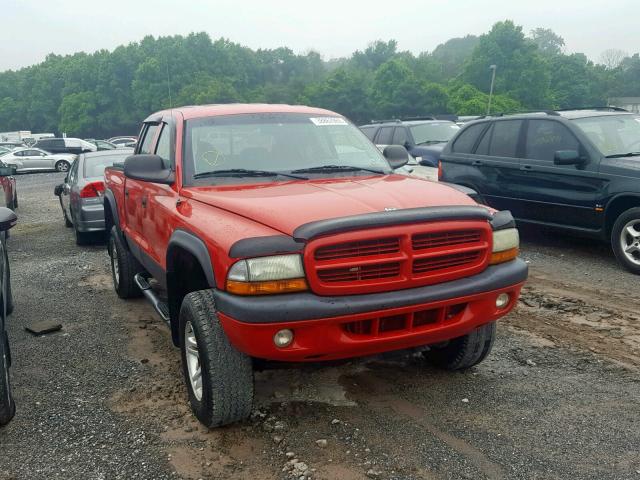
(192, 356)
(630, 241)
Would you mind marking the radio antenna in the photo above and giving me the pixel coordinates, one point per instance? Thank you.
(169, 86)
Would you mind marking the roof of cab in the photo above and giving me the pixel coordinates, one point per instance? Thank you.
(200, 111)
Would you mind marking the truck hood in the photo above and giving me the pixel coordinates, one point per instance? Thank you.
(284, 206)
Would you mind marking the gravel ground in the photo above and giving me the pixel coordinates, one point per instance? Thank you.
(558, 398)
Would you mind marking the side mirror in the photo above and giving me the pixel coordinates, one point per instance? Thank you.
(148, 168)
(567, 157)
(396, 155)
(57, 191)
(8, 171)
(8, 219)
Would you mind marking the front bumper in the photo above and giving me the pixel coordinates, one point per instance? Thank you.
(330, 328)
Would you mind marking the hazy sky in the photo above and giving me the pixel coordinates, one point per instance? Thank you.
(31, 29)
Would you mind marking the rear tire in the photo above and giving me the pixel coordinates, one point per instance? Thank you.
(222, 393)
(466, 351)
(7, 405)
(625, 239)
(124, 267)
(62, 166)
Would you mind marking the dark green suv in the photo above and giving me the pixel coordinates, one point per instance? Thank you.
(577, 170)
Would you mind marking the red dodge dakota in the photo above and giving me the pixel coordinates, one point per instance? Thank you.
(281, 233)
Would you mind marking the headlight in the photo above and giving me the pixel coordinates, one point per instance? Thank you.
(267, 275)
(506, 245)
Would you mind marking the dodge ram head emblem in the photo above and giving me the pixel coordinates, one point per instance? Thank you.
(389, 209)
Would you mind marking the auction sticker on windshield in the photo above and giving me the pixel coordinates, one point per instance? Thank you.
(323, 121)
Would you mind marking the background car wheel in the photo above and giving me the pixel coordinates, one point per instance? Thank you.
(62, 166)
(466, 351)
(7, 405)
(124, 267)
(625, 239)
(219, 377)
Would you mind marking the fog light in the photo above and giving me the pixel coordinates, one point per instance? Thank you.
(283, 338)
(503, 300)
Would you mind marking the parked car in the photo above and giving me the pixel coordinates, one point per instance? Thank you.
(278, 232)
(577, 170)
(65, 145)
(102, 144)
(8, 186)
(123, 142)
(81, 193)
(7, 220)
(30, 159)
(424, 139)
(12, 145)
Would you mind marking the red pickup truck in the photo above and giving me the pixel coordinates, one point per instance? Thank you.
(281, 233)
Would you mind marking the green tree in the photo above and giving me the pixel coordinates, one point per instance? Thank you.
(521, 71)
(547, 41)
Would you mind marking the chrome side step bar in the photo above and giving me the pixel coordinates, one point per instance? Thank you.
(159, 306)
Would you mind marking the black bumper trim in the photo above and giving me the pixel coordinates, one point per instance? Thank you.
(308, 306)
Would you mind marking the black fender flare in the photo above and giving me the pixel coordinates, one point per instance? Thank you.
(194, 245)
(113, 206)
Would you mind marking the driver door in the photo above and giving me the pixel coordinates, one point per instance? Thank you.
(35, 159)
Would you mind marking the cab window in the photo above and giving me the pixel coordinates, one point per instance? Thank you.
(163, 148)
(149, 135)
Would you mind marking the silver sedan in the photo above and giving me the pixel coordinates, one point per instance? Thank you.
(30, 159)
(81, 193)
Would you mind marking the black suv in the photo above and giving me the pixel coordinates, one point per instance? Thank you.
(578, 170)
(424, 137)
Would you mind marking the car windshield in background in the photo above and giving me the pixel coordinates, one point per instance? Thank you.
(614, 135)
(219, 149)
(425, 133)
(94, 165)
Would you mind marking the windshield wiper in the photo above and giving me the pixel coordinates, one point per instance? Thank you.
(620, 155)
(428, 142)
(336, 168)
(245, 172)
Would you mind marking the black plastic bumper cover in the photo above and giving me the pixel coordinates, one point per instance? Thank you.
(308, 306)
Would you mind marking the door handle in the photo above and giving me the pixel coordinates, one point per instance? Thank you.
(144, 201)
(476, 163)
(526, 168)
(126, 192)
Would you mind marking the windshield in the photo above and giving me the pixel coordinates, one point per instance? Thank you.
(433, 132)
(243, 147)
(613, 134)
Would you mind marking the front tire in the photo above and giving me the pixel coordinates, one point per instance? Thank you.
(62, 166)
(219, 377)
(124, 267)
(625, 239)
(466, 351)
(7, 405)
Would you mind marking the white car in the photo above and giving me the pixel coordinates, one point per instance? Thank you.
(28, 159)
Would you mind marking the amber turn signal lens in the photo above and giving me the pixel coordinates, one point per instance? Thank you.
(504, 256)
(267, 288)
